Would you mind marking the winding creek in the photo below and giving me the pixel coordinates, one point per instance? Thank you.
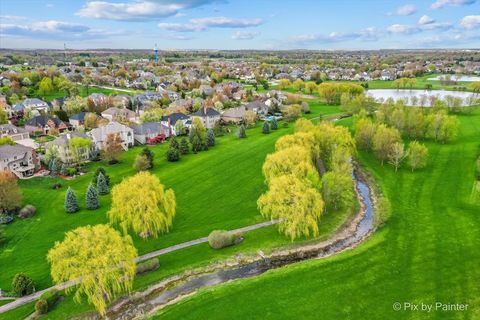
(172, 290)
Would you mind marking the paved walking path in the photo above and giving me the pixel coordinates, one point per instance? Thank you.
(24, 300)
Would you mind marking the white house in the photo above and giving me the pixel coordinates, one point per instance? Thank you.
(99, 135)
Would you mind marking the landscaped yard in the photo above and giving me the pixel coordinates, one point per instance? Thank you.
(426, 253)
(216, 189)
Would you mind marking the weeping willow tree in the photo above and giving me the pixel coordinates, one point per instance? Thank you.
(99, 258)
(142, 204)
(298, 205)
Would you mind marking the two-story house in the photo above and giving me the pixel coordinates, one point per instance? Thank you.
(208, 116)
(20, 160)
(66, 153)
(99, 135)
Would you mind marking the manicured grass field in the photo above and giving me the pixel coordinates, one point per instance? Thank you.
(83, 92)
(426, 253)
(216, 189)
(421, 84)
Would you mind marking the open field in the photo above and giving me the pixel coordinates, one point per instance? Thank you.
(229, 173)
(83, 92)
(427, 252)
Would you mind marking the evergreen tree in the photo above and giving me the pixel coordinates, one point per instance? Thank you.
(64, 170)
(173, 154)
(53, 166)
(174, 143)
(210, 138)
(197, 144)
(91, 198)
(97, 173)
(274, 125)
(266, 127)
(241, 132)
(102, 185)
(184, 147)
(71, 205)
(149, 154)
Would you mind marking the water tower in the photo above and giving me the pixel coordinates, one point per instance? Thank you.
(155, 50)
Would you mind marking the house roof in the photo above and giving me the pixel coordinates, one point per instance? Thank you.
(7, 151)
(10, 129)
(115, 111)
(42, 121)
(174, 117)
(149, 128)
(65, 138)
(206, 112)
(30, 101)
(79, 116)
(256, 105)
(238, 112)
(112, 127)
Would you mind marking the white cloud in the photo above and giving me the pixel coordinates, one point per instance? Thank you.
(367, 34)
(201, 24)
(53, 29)
(442, 3)
(181, 27)
(225, 22)
(176, 36)
(425, 20)
(470, 22)
(137, 10)
(245, 35)
(406, 10)
(402, 29)
(437, 26)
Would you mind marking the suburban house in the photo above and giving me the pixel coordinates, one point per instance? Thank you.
(171, 120)
(234, 115)
(43, 124)
(117, 114)
(209, 116)
(78, 119)
(20, 160)
(99, 135)
(172, 95)
(143, 100)
(36, 104)
(18, 135)
(65, 152)
(258, 107)
(149, 130)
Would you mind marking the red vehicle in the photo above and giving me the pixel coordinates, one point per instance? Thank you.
(156, 140)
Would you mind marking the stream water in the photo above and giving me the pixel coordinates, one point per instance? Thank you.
(160, 298)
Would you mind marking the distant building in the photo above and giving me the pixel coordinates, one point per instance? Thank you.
(208, 116)
(143, 132)
(18, 135)
(99, 135)
(65, 152)
(43, 125)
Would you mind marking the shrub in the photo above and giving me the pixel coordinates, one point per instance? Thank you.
(22, 285)
(210, 138)
(50, 297)
(184, 147)
(27, 212)
(141, 163)
(149, 265)
(149, 155)
(71, 171)
(41, 307)
(218, 239)
(56, 186)
(266, 127)
(5, 218)
(173, 154)
(274, 124)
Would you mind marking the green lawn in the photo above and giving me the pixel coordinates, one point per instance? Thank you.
(216, 189)
(427, 252)
(83, 92)
(421, 84)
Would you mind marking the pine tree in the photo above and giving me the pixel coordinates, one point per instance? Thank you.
(174, 143)
(241, 132)
(210, 138)
(97, 173)
(266, 127)
(102, 185)
(53, 166)
(64, 170)
(184, 147)
(91, 198)
(71, 205)
(274, 125)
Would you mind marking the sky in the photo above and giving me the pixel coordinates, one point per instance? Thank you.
(237, 24)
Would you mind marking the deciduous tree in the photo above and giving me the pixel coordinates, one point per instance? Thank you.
(142, 204)
(383, 141)
(10, 193)
(417, 155)
(100, 259)
(112, 147)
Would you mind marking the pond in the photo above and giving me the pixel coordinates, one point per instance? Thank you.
(456, 78)
(420, 97)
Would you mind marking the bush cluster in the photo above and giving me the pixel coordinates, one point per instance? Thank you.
(41, 307)
(22, 285)
(27, 212)
(149, 265)
(218, 239)
(5, 218)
